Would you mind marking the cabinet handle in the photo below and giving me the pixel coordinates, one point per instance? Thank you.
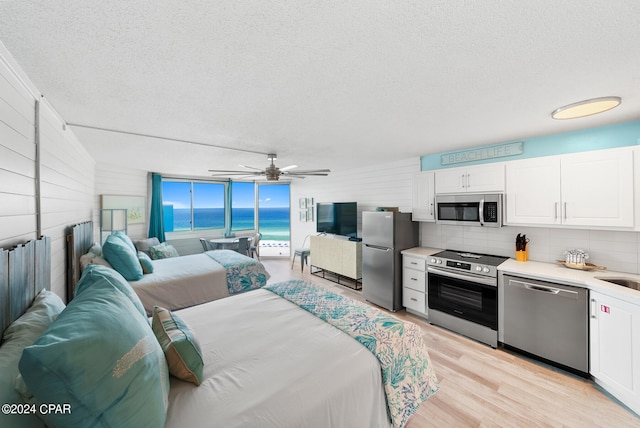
(468, 180)
(593, 308)
(414, 299)
(414, 279)
(462, 181)
(414, 263)
(555, 211)
(431, 208)
(565, 210)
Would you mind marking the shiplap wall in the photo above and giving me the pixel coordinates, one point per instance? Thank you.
(115, 180)
(386, 185)
(17, 159)
(67, 171)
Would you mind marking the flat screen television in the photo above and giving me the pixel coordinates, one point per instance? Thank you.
(337, 218)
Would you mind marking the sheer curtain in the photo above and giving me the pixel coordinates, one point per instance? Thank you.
(156, 220)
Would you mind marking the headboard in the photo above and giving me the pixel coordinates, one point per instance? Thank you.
(79, 241)
(24, 271)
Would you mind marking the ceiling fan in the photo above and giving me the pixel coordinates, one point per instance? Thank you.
(272, 172)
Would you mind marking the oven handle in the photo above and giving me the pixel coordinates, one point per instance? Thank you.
(479, 280)
(481, 212)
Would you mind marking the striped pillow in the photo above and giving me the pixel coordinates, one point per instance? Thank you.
(181, 348)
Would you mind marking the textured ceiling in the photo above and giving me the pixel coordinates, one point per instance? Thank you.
(324, 84)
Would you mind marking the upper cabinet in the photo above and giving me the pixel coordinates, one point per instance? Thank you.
(423, 205)
(580, 189)
(479, 178)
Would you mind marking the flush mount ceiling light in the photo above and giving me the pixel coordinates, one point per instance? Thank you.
(586, 108)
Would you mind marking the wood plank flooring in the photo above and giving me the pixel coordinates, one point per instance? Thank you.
(485, 387)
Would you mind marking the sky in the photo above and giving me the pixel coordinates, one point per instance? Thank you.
(208, 195)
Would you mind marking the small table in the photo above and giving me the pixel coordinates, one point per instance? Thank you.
(225, 243)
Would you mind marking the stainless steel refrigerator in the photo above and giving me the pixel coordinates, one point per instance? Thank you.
(384, 235)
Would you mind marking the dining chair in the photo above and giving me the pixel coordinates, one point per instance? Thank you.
(243, 245)
(206, 245)
(254, 248)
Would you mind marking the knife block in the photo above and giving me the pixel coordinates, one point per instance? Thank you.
(522, 256)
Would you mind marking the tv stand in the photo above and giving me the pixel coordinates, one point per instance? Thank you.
(337, 259)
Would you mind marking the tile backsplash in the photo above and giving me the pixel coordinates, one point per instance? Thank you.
(618, 251)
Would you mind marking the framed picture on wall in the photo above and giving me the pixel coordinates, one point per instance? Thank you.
(310, 213)
(135, 206)
(303, 203)
(303, 216)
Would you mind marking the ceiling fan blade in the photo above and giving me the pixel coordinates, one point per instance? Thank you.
(251, 167)
(223, 173)
(312, 171)
(286, 168)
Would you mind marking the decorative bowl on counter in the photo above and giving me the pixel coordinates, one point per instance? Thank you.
(584, 266)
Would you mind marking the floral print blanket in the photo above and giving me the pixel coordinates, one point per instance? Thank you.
(407, 372)
(243, 273)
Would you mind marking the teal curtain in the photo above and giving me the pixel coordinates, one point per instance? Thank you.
(156, 220)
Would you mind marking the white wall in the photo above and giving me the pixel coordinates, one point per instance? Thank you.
(66, 171)
(387, 185)
(115, 180)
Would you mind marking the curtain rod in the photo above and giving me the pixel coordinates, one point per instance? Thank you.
(137, 134)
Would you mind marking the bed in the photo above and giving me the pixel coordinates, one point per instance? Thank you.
(176, 282)
(280, 356)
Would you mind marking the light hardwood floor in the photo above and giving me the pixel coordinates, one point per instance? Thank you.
(485, 387)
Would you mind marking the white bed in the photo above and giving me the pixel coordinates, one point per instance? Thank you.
(269, 363)
(176, 282)
(289, 355)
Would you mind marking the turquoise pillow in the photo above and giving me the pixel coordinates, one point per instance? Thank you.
(145, 262)
(98, 276)
(21, 333)
(102, 359)
(180, 346)
(123, 258)
(125, 238)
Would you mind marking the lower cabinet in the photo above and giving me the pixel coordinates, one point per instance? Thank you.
(414, 284)
(615, 347)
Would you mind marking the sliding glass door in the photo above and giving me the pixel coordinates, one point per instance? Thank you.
(274, 213)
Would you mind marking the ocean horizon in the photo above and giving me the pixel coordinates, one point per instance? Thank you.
(274, 223)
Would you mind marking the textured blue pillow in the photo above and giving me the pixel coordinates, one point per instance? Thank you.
(21, 333)
(122, 257)
(98, 276)
(145, 262)
(180, 346)
(102, 359)
(163, 251)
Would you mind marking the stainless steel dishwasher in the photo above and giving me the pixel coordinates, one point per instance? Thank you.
(548, 321)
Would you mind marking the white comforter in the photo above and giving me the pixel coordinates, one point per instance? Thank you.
(269, 363)
(180, 282)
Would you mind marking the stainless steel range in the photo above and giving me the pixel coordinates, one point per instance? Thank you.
(463, 293)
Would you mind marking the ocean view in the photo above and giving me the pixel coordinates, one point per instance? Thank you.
(274, 222)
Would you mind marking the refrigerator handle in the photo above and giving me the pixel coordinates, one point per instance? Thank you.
(376, 247)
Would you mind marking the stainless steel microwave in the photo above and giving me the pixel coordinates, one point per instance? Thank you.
(470, 209)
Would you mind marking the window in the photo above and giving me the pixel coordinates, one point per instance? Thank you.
(191, 205)
(243, 206)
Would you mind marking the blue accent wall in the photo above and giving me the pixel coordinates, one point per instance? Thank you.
(604, 137)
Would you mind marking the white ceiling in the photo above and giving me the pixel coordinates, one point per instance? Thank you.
(324, 84)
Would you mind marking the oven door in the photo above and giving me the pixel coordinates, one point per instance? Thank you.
(472, 299)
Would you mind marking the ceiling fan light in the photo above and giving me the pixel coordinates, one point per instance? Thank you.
(586, 108)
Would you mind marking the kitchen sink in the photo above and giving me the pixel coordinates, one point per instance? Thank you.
(625, 282)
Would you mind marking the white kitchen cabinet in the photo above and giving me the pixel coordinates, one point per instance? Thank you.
(479, 178)
(533, 191)
(423, 204)
(580, 189)
(414, 284)
(615, 347)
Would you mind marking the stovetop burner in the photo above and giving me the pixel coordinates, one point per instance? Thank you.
(463, 256)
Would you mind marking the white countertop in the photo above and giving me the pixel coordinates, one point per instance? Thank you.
(553, 272)
(420, 251)
(587, 279)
